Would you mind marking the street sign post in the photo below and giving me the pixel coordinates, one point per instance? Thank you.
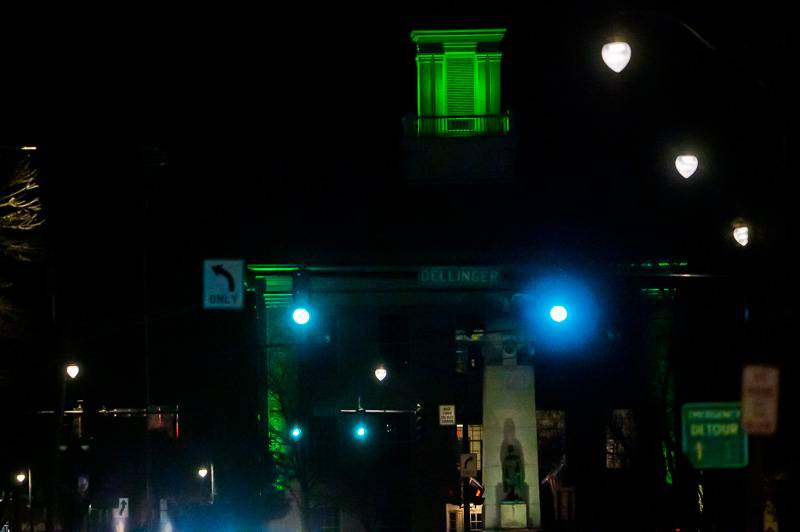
(713, 436)
(760, 399)
(223, 284)
(447, 415)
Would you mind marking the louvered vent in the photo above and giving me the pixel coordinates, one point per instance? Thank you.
(278, 291)
(461, 86)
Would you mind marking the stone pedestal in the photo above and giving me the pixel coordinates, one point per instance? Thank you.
(513, 515)
(509, 419)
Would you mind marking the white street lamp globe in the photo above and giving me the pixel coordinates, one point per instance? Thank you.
(202, 472)
(380, 374)
(742, 235)
(21, 477)
(616, 55)
(73, 370)
(686, 165)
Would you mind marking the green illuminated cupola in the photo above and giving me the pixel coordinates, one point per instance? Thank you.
(458, 83)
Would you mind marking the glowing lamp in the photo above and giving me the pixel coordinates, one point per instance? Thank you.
(686, 165)
(360, 431)
(301, 316)
(742, 235)
(73, 370)
(616, 55)
(558, 313)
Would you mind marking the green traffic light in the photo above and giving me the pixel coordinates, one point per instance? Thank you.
(296, 433)
(360, 431)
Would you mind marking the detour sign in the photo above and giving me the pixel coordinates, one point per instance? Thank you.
(713, 436)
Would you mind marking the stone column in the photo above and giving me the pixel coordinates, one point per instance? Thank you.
(509, 418)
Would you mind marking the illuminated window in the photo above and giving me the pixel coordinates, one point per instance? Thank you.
(475, 519)
(475, 440)
(452, 524)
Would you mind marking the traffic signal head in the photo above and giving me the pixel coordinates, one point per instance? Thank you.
(301, 316)
(296, 433)
(419, 422)
(558, 313)
(474, 492)
(360, 431)
(561, 312)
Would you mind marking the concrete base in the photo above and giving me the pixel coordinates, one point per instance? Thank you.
(513, 515)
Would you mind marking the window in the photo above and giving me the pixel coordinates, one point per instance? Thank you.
(475, 440)
(551, 427)
(469, 337)
(475, 518)
(452, 521)
(619, 439)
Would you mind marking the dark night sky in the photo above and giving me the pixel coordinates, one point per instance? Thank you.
(282, 130)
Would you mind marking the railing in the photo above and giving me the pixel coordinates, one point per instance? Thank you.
(457, 126)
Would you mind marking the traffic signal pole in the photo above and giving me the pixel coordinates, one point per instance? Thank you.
(464, 481)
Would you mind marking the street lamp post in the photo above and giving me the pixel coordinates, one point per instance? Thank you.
(69, 371)
(203, 472)
(22, 477)
(616, 57)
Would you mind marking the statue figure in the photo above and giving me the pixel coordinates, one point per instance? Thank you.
(512, 475)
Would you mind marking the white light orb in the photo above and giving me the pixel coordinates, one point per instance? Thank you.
(616, 55)
(73, 370)
(380, 374)
(21, 478)
(558, 313)
(202, 472)
(686, 165)
(301, 316)
(742, 235)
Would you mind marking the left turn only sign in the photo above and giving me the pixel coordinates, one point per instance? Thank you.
(223, 284)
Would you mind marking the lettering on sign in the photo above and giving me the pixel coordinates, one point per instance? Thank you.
(713, 436)
(223, 284)
(447, 415)
(459, 276)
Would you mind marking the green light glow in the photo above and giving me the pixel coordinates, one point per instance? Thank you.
(458, 82)
(667, 463)
(272, 268)
(278, 447)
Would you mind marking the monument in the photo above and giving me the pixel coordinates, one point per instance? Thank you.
(510, 444)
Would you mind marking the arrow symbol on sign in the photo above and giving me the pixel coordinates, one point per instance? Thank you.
(220, 270)
(699, 448)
